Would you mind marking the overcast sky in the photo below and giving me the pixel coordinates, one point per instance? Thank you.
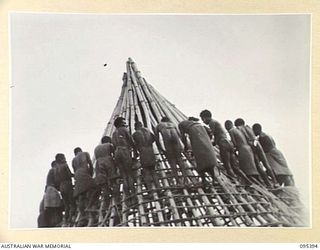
(255, 67)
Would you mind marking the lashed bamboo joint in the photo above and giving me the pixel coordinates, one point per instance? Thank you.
(228, 203)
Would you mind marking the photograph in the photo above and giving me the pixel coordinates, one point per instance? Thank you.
(159, 120)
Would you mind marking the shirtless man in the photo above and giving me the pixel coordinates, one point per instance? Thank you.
(259, 155)
(52, 203)
(220, 139)
(123, 143)
(202, 149)
(84, 183)
(172, 144)
(106, 173)
(143, 140)
(246, 158)
(64, 177)
(274, 156)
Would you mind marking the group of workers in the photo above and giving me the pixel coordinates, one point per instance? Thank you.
(245, 153)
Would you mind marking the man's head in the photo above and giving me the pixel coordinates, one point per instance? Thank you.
(138, 125)
(54, 164)
(119, 122)
(60, 158)
(239, 122)
(228, 125)
(77, 150)
(257, 128)
(165, 119)
(106, 139)
(205, 116)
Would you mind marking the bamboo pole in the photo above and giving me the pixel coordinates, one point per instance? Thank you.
(143, 218)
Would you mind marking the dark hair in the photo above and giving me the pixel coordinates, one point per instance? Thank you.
(77, 150)
(165, 119)
(257, 127)
(53, 163)
(106, 139)
(118, 121)
(59, 157)
(228, 124)
(239, 122)
(138, 124)
(205, 113)
(194, 119)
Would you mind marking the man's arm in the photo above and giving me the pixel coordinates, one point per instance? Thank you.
(90, 164)
(157, 138)
(74, 165)
(112, 150)
(131, 143)
(153, 139)
(233, 139)
(213, 129)
(68, 171)
(183, 137)
(178, 132)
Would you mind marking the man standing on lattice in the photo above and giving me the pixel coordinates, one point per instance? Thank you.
(259, 155)
(202, 149)
(143, 140)
(220, 139)
(123, 143)
(172, 147)
(274, 156)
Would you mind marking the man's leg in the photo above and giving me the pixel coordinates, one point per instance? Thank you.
(173, 165)
(66, 204)
(107, 193)
(147, 178)
(81, 205)
(210, 171)
(262, 173)
(182, 168)
(155, 178)
(263, 159)
(93, 194)
(226, 158)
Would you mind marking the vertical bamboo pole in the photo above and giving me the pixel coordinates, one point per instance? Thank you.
(142, 217)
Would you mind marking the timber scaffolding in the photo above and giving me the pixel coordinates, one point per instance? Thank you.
(226, 203)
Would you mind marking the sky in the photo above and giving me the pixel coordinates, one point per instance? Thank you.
(250, 66)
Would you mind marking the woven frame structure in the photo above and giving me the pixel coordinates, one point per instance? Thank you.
(228, 202)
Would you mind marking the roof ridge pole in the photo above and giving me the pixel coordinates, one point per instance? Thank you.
(131, 106)
(141, 99)
(143, 217)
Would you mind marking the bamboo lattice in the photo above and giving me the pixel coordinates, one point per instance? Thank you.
(227, 203)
